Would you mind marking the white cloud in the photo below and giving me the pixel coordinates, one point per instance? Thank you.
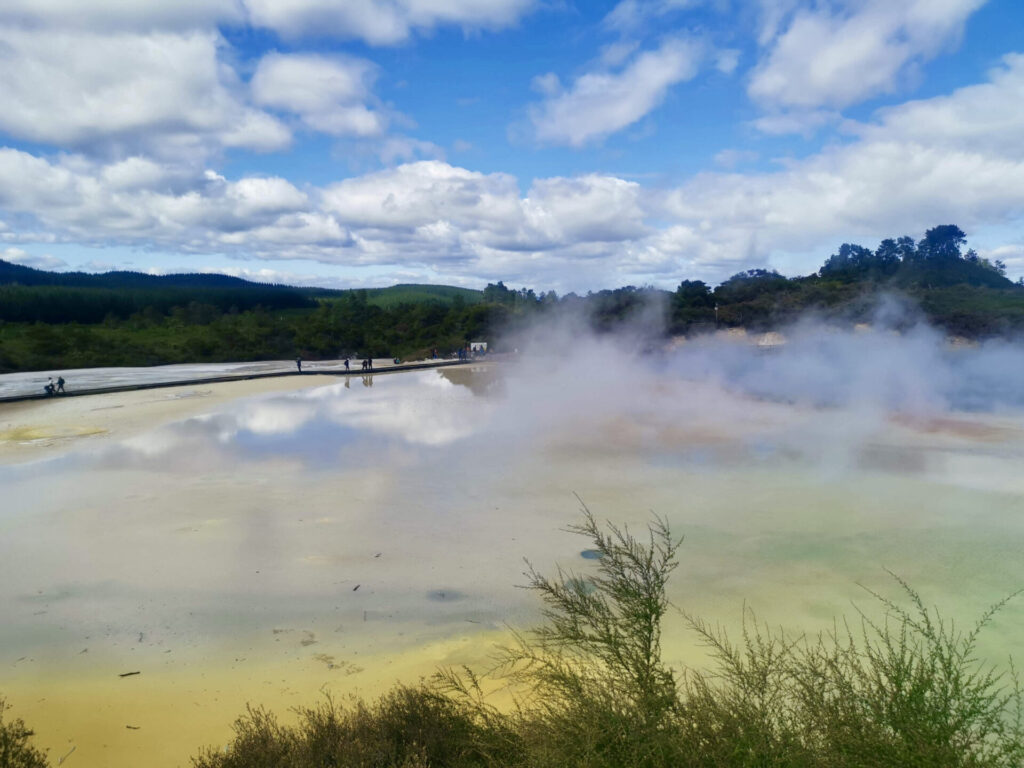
(986, 117)
(547, 84)
(292, 235)
(105, 266)
(615, 54)
(256, 196)
(163, 93)
(591, 208)
(422, 193)
(405, 149)
(268, 275)
(838, 53)
(601, 103)
(110, 204)
(378, 22)
(630, 15)
(430, 203)
(118, 15)
(730, 158)
(328, 93)
(907, 171)
(1011, 255)
(803, 123)
(40, 261)
(726, 60)
(382, 22)
(951, 159)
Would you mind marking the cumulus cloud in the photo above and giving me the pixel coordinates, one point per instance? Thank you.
(328, 93)
(435, 203)
(954, 158)
(839, 53)
(88, 202)
(382, 22)
(986, 117)
(591, 208)
(419, 194)
(154, 77)
(600, 103)
(164, 93)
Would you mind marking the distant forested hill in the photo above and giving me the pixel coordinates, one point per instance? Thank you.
(34, 295)
(21, 275)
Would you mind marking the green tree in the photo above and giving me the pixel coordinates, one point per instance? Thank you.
(942, 243)
(16, 750)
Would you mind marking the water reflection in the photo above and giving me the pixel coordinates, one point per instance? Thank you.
(394, 511)
(322, 427)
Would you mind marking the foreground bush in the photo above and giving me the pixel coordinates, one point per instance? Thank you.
(901, 690)
(409, 727)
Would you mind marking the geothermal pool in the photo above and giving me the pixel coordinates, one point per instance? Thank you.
(271, 542)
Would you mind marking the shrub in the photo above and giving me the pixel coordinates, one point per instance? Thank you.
(15, 749)
(408, 727)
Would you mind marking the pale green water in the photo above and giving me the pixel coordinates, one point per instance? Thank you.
(376, 521)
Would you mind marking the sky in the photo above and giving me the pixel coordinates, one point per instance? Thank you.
(563, 145)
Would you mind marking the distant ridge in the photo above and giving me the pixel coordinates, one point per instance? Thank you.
(19, 274)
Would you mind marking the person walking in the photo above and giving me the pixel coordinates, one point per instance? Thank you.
(298, 363)
(60, 385)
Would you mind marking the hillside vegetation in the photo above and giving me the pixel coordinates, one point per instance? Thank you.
(54, 320)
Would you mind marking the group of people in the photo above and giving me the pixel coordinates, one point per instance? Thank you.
(54, 387)
(470, 353)
(367, 363)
